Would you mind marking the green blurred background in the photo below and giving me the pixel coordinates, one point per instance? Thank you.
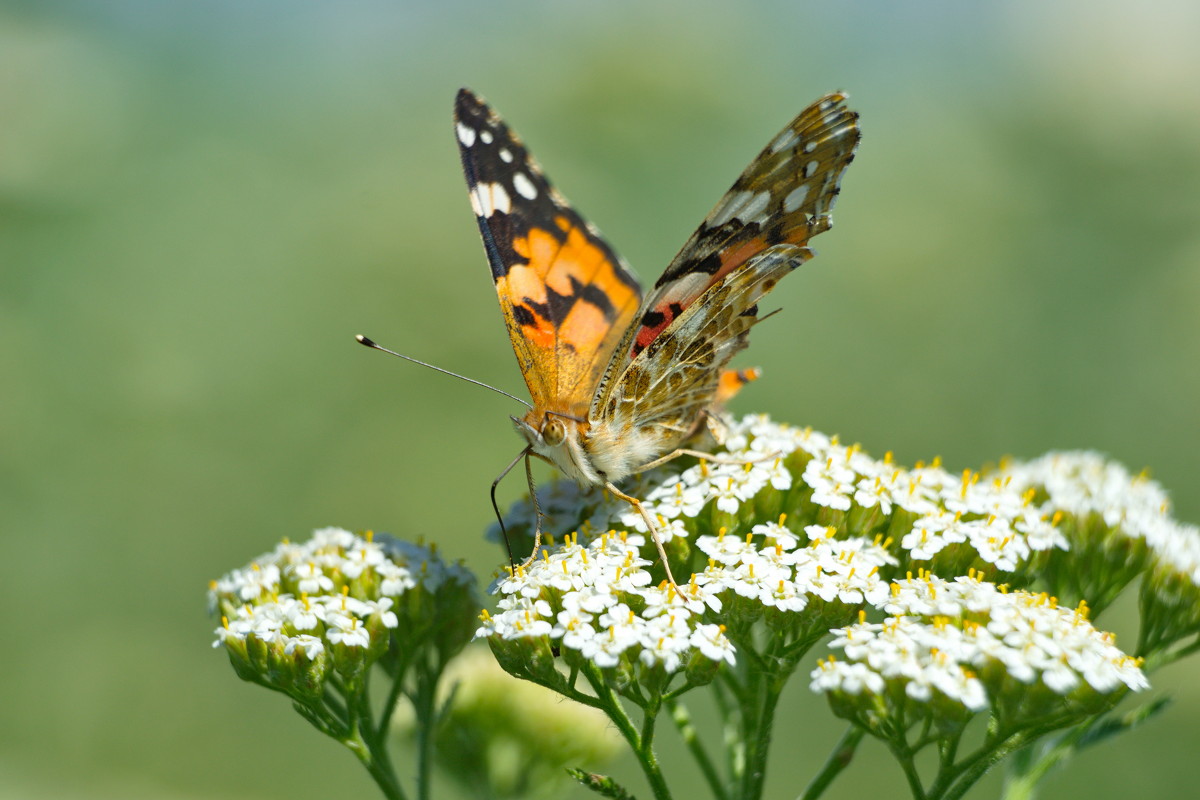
(201, 204)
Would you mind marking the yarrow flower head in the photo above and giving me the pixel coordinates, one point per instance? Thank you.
(951, 649)
(795, 530)
(1116, 524)
(339, 601)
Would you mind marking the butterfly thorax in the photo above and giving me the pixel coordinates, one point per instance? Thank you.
(593, 453)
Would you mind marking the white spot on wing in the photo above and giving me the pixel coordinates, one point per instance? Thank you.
(795, 198)
(485, 137)
(465, 135)
(730, 209)
(505, 155)
(810, 168)
(688, 286)
(488, 198)
(524, 186)
(785, 139)
(755, 208)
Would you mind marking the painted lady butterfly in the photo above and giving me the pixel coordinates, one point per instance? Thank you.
(619, 382)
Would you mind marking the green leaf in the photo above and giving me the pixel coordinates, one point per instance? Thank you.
(1113, 725)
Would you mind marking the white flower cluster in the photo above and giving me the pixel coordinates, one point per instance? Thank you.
(585, 596)
(846, 516)
(1176, 547)
(996, 521)
(1085, 483)
(592, 587)
(780, 575)
(299, 595)
(995, 518)
(943, 635)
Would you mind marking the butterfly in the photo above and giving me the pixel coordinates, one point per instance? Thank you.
(620, 380)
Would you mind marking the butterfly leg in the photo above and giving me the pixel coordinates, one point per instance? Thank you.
(683, 451)
(537, 511)
(662, 553)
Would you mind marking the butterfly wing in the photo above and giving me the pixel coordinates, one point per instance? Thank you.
(667, 368)
(661, 394)
(566, 296)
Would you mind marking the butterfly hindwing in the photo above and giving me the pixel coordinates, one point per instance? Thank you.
(676, 378)
(758, 228)
(566, 296)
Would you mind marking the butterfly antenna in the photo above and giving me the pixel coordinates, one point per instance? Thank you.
(363, 340)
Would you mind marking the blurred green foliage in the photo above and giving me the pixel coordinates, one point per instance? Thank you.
(201, 203)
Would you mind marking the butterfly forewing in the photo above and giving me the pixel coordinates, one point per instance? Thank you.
(566, 296)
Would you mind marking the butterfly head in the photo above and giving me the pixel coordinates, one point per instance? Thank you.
(546, 431)
(556, 438)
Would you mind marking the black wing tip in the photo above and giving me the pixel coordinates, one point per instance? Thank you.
(466, 103)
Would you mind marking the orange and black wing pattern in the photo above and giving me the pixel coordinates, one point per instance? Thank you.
(566, 296)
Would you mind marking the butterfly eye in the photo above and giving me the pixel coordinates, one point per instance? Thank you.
(553, 432)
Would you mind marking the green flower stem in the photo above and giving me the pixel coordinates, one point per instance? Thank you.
(611, 705)
(765, 679)
(905, 758)
(967, 774)
(334, 707)
(380, 769)
(424, 707)
(691, 739)
(947, 750)
(1026, 771)
(838, 760)
(756, 731)
(319, 716)
(649, 718)
(371, 750)
(393, 698)
(723, 687)
(1023, 785)
(568, 690)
